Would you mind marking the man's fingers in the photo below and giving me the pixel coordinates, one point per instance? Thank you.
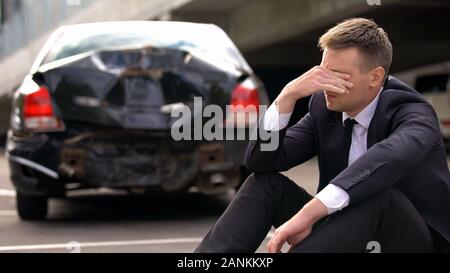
(291, 247)
(335, 83)
(269, 244)
(294, 240)
(332, 88)
(347, 84)
(274, 245)
(341, 75)
(338, 82)
(332, 74)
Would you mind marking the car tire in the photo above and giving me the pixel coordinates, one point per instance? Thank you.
(31, 207)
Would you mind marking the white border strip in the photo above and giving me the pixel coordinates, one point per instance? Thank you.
(34, 165)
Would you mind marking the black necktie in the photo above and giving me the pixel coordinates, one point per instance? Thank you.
(349, 123)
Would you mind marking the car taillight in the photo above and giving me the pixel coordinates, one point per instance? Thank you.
(244, 105)
(38, 112)
(445, 122)
(245, 94)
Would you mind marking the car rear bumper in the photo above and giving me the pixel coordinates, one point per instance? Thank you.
(28, 180)
(123, 160)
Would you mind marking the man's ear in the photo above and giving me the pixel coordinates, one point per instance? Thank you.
(376, 76)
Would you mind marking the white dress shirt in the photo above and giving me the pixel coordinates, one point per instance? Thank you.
(332, 196)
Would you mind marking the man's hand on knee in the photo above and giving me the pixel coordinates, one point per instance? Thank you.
(298, 227)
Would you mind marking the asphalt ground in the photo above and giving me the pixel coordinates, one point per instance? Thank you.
(108, 221)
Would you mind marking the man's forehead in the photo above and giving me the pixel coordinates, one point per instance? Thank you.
(341, 60)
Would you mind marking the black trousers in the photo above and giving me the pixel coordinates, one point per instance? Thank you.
(266, 200)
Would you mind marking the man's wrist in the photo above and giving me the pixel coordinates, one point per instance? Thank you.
(313, 211)
(285, 103)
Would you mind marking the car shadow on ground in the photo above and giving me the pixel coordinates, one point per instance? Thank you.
(125, 207)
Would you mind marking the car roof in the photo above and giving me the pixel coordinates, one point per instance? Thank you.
(119, 25)
(201, 30)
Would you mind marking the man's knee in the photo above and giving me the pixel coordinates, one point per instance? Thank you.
(264, 179)
(263, 183)
(385, 198)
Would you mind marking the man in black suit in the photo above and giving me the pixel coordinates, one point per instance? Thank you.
(383, 167)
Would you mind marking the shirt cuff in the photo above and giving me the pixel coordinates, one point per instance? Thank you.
(274, 121)
(334, 198)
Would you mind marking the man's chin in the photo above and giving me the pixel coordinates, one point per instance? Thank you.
(333, 107)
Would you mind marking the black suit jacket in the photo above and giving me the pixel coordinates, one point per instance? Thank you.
(405, 149)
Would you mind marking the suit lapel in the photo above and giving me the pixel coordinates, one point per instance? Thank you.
(371, 135)
(376, 133)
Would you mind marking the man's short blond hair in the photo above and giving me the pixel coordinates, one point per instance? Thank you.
(364, 34)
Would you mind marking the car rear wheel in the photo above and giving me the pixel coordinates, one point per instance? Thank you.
(31, 207)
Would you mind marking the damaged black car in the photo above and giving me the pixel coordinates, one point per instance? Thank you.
(94, 112)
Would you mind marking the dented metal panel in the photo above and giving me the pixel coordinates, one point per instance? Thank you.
(122, 159)
(128, 88)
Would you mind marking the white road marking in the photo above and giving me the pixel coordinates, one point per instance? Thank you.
(105, 244)
(100, 244)
(8, 213)
(7, 193)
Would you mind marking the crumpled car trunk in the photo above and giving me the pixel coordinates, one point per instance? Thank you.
(127, 88)
(113, 102)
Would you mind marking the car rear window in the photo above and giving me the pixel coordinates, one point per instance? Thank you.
(208, 41)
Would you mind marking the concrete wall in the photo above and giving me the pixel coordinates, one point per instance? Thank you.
(16, 65)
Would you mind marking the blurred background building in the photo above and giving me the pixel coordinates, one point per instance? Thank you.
(277, 37)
